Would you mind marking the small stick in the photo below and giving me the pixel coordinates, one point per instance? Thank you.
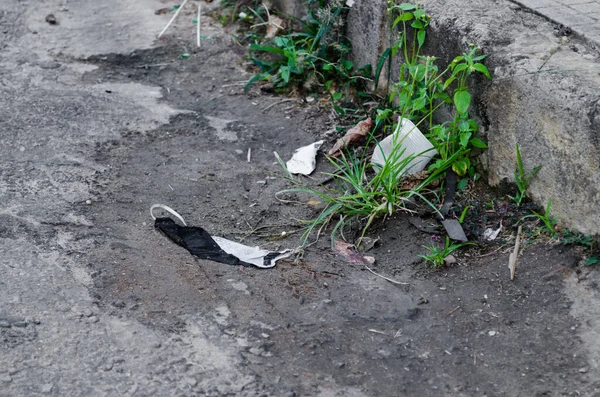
(453, 310)
(277, 103)
(249, 154)
(154, 65)
(377, 331)
(172, 19)
(512, 260)
(385, 278)
(198, 30)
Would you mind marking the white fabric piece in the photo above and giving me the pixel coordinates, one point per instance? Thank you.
(410, 138)
(304, 159)
(253, 255)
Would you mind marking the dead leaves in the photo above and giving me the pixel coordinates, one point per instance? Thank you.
(354, 134)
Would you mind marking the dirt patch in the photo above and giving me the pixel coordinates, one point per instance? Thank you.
(320, 325)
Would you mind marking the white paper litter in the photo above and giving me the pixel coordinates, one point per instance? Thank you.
(412, 141)
(253, 255)
(490, 234)
(304, 159)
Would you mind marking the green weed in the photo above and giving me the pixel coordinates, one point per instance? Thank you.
(548, 223)
(358, 193)
(422, 88)
(438, 254)
(315, 58)
(522, 179)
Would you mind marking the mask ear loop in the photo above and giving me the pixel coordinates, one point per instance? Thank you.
(169, 210)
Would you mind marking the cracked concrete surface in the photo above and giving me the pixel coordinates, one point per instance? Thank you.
(94, 302)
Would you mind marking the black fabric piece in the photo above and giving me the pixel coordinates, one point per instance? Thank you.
(197, 241)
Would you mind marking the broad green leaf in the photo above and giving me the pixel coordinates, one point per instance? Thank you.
(404, 17)
(482, 69)
(417, 24)
(421, 37)
(464, 139)
(419, 13)
(420, 103)
(337, 96)
(348, 65)
(462, 101)
(328, 67)
(459, 68)
(407, 6)
(461, 166)
(285, 73)
(478, 143)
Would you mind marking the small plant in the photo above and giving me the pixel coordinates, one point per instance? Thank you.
(522, 179)
(437, 255)
(316, 58)
(548, 223)
(360, 194)
(422, 89)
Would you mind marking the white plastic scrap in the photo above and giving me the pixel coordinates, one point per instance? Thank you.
(490, 234)
(304, 159)
(409, 138)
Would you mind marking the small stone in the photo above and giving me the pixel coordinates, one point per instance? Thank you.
(261, 182)
(583, 370)
(239, 151)
(422, 301)
(88, 202)
(51, 19)
(120, 304)
(6, 378)
(492, 333)
(47, 388)
(5, 324)
(93, 319)
(88, 312)
(327, 301)
(411, 314)
(190, 381)
(341, 364)
(256, 351)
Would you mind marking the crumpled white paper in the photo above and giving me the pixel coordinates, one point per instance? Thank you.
(304, 159)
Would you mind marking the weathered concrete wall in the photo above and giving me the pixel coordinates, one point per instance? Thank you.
(545, 95)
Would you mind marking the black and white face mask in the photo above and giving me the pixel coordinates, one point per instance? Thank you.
(204, 246)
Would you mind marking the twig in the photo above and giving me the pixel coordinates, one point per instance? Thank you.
(198, 27)
(453, 310)
(512, 260)
(249, 154)
(154, 65)
(493, 252)
(386, 278)
(173, 18)
(377, 331)
(277, 103)
(233, 85)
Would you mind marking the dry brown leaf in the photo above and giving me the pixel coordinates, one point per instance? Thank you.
(276, 24)
(347, 251)
(353, 135)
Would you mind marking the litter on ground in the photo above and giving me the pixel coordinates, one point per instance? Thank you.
(204, 246)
